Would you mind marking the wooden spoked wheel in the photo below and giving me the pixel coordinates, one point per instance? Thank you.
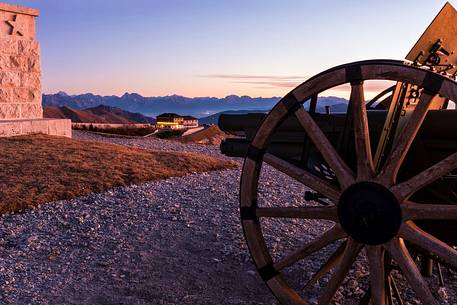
(371, 211)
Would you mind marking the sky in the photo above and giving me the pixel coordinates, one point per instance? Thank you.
(216, 48)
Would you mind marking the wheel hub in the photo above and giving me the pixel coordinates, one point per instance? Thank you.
(369, 213)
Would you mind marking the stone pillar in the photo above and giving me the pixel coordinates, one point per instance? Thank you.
(20, 76)
(20, 84)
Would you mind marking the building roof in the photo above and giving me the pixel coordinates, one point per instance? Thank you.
(169, 115)
(174, 115)
(188, 117)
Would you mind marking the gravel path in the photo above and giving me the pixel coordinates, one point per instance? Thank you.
(175, 241)
(149, 143)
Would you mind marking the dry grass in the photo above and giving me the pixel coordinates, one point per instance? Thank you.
(38, 169)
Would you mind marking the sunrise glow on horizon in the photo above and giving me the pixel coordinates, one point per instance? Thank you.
(207, 48)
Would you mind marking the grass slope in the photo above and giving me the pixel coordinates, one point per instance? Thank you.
(38, 169)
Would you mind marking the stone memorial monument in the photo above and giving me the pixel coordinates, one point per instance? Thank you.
(21, 110)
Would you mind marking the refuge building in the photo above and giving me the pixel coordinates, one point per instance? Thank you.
(175, 121)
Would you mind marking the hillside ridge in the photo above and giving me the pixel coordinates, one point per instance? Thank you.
(99, 114)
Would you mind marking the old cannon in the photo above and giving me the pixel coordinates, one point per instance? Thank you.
(383, 171)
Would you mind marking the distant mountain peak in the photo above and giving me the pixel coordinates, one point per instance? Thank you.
(131, 95)
(233, 96)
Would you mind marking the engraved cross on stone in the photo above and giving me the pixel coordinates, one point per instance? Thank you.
(17, 26)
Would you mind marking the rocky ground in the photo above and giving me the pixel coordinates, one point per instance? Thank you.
(176, 241)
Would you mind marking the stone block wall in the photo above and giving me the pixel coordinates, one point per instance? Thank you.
(20, 72)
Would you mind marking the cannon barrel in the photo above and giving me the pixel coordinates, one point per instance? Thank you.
(247, 124)
(438, 132)
(290, 138)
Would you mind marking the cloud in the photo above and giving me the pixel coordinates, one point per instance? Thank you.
(261, 81)
(247, 76)
(274, 82)
(269, 84)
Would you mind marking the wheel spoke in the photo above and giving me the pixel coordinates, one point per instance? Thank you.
(311, 181)
(313, 104)
(425, 241)
(349, 256)
(397, 249)
(412, 210)
(342, 171)
(365, 167)
(332, 261)
(375, 256)
(390, 169)
(407, 188)
(330, 236)
(329, 213)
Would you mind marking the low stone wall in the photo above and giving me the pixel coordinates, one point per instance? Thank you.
(53, 127)
(104, 125)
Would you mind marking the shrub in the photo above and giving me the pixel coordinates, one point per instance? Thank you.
(165, 134)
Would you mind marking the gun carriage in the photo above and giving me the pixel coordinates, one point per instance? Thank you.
(383, 171)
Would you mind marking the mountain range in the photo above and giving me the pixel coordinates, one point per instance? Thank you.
(99, 114)
(335, 105)
(152, 106)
